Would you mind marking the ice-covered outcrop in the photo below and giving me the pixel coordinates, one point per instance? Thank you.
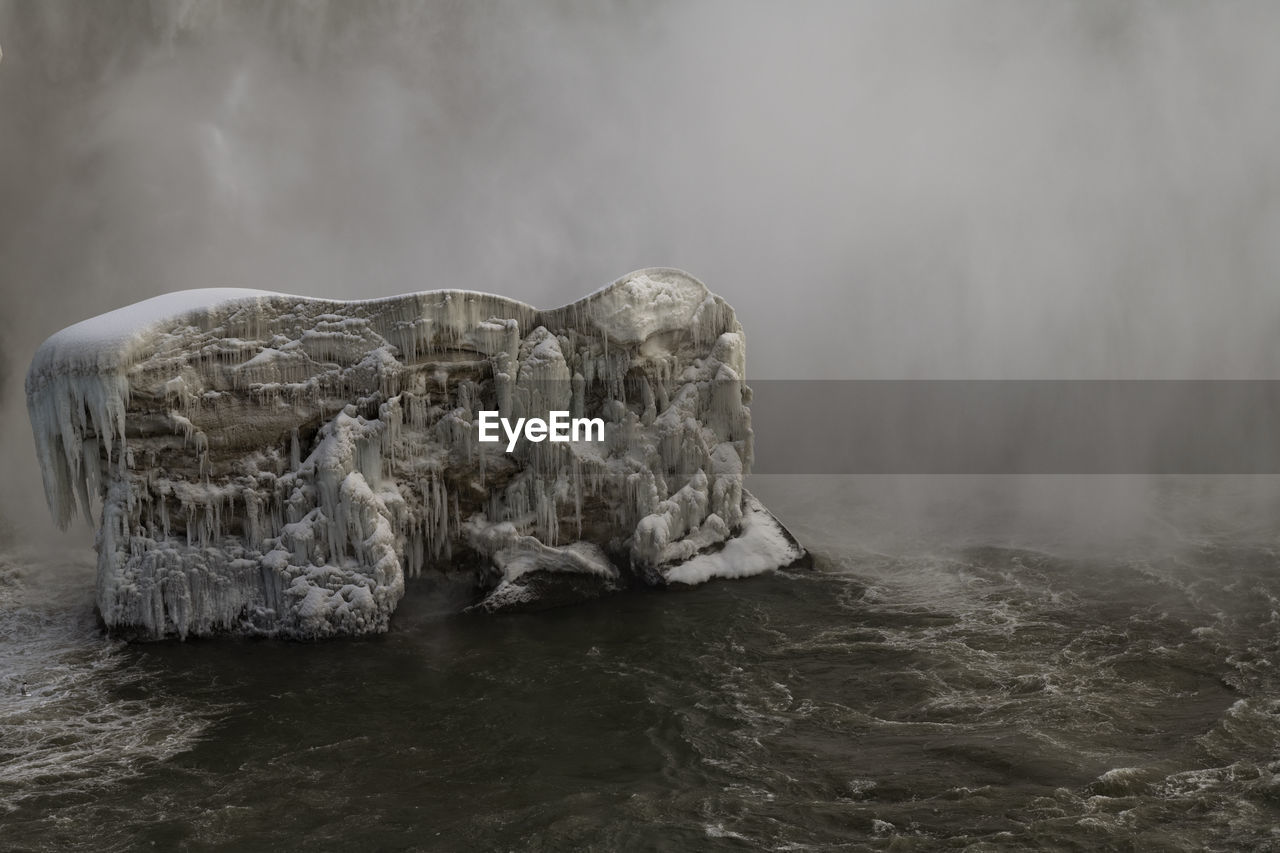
(273, 464)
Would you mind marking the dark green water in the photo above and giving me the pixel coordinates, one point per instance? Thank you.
(934, 684)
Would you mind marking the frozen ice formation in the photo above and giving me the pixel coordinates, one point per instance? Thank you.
(279, 465)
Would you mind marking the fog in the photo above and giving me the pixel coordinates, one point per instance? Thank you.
(889, 190)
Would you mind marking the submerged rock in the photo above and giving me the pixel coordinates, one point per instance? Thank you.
(278, 465)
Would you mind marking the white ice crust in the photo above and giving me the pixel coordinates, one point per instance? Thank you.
(763, 545)
(272, 464)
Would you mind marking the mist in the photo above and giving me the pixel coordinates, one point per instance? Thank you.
(891, 190)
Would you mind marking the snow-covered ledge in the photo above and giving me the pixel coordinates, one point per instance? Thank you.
(270, 464)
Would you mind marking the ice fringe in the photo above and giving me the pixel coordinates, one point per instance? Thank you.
(272, 464)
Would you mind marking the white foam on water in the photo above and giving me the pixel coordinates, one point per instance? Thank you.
(90, 715)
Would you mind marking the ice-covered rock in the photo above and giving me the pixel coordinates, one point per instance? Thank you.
(272, 464)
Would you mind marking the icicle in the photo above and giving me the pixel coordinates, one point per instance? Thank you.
(321, 536)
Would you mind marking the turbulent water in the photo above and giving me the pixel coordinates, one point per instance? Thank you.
(986, 665)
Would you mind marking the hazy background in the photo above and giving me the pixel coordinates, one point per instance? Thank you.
(883, 190)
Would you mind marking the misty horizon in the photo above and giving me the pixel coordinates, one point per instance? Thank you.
(981, 191)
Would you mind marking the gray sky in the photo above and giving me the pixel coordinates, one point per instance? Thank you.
(905, 189)
(883, 190)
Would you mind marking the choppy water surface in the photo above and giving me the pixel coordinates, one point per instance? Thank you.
(997, 669)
